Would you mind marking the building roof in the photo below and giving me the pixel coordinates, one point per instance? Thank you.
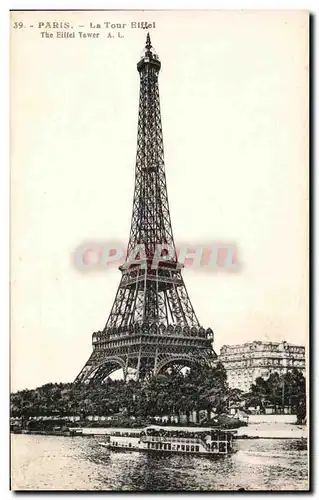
(261, 342)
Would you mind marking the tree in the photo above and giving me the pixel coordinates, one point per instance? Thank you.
(288, 389)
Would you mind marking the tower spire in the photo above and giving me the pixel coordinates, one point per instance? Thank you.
(148, 44)
(149, 57)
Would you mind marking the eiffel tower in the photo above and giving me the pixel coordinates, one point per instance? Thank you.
(152, 325)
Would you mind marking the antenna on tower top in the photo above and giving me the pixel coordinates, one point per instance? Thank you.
(148, 44)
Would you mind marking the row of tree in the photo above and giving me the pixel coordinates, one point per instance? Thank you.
(280, 391)
(170, 394)
(174, 393)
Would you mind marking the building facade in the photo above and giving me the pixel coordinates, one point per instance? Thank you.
(246, 362)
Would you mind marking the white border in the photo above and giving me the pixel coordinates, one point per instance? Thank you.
(5, 6)
(164, 5)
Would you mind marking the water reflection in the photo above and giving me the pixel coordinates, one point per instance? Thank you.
(49, 462)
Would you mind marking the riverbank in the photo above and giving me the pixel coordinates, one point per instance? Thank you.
(273, 431)
(252, 431)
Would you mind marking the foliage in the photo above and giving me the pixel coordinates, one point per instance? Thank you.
(172, 393)
(288, 390)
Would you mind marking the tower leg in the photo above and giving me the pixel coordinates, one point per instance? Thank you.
(155, 362)
(138, 364)
(125, 369)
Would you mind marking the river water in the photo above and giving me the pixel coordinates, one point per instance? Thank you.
(80, 463)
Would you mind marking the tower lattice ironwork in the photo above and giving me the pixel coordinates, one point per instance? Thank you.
(152, 324)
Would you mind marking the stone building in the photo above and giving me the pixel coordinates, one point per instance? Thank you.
(246, 362)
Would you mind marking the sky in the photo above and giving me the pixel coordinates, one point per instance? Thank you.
(234, 104)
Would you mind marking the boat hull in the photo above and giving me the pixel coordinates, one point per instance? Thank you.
(168, 452)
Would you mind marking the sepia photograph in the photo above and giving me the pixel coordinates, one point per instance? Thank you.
(159, 253)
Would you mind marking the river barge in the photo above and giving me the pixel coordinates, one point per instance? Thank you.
(207, 441)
